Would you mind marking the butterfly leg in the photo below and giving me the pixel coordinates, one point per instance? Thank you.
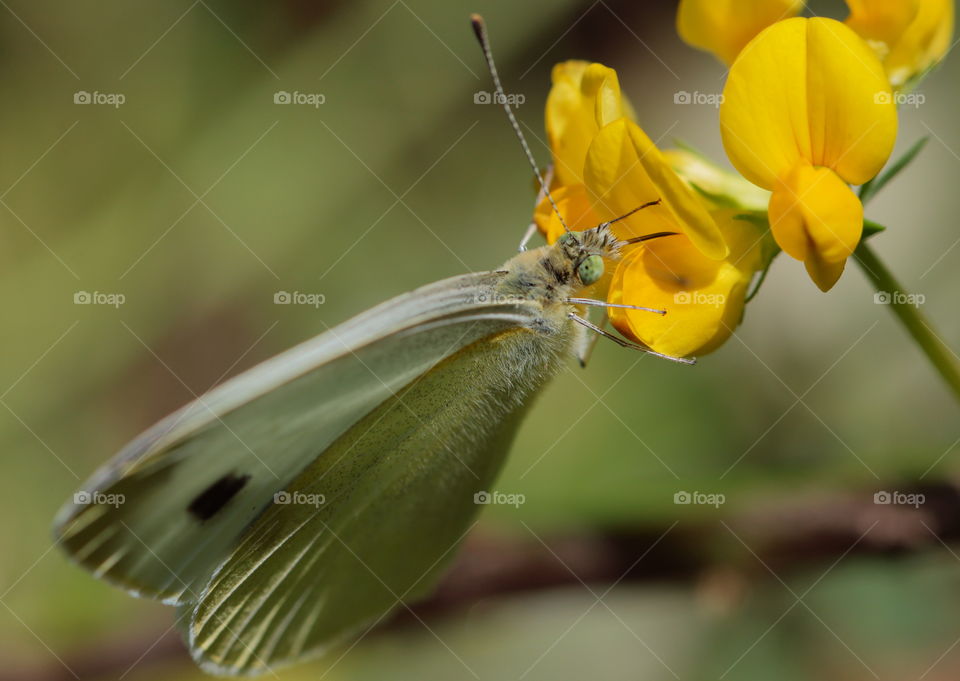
(531, 230)
(585, 347)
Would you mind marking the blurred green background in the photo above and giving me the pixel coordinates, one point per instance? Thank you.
(199, 197)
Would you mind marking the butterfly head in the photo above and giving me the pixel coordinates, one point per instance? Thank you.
(587, 251)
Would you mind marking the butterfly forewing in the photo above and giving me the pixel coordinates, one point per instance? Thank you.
(168, 509)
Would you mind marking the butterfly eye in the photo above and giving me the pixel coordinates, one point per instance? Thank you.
(590, 270)
(565, 237)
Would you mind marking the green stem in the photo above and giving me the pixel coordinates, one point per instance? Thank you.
(908, 312)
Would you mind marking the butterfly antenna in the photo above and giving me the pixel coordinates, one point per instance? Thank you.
(647, 237)
(648, 204)
(480, 29)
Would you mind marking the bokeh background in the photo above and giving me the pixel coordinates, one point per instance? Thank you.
(199, 198)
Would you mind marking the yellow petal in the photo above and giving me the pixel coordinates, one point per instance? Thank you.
(881, 21)
(703, 297)
(852, 115)
(807, 90)
(725, 26)
(816, 218)
(763, 119)
(584, 97)
(624, 170)
(575, 206)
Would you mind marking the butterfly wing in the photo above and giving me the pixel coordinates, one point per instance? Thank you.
(161, 517)
(376, 434)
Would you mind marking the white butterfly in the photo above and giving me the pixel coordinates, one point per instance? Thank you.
(312, 494)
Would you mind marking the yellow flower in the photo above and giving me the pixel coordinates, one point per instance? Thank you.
(909, 36)
(583, 98)
(723, 27)
(606, 166)
(808, 110)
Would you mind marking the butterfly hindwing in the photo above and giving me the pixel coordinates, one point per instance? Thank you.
(374, 517)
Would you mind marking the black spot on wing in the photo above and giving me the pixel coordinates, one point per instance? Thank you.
(216, 496)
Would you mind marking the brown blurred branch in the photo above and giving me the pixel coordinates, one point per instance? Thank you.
(785, 536)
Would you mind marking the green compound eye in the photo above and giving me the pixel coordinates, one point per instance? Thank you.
(565, 237)
(590, 270)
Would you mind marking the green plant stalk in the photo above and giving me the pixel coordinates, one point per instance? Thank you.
(941, 356)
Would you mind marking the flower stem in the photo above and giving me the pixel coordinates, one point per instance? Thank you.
(942, 357)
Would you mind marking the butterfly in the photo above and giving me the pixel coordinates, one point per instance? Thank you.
(308, 497)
